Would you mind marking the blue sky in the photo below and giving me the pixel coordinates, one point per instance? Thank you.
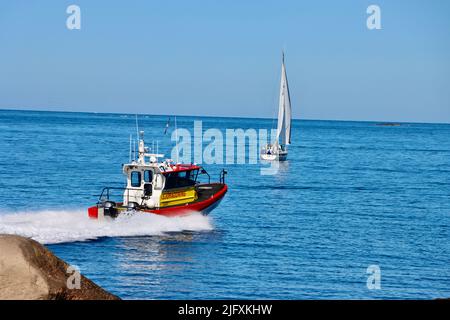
(223, 58)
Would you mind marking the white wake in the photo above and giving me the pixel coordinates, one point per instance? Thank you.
(59, 226)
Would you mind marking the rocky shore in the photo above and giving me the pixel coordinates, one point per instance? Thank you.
(28, 270)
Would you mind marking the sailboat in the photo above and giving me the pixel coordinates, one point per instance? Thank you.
(277, 150)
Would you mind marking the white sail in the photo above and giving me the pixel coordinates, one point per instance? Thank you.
(284, 110)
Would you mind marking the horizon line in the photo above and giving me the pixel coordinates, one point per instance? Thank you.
(221, 116)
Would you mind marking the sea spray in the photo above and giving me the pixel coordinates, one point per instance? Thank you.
(59, 226)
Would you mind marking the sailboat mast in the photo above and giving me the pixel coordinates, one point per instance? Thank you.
(287, 109)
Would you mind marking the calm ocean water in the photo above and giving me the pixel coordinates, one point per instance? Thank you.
(352, 194)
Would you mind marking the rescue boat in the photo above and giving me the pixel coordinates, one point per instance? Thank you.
(163, 188)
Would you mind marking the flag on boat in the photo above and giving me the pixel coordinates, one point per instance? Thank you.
(167, 126)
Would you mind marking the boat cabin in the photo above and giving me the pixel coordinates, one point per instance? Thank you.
(154, 184)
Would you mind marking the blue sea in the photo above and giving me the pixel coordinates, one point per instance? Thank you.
(351, 195)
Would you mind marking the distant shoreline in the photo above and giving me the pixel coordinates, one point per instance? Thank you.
(389, 124)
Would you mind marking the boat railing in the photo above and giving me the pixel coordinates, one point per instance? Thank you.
(106, 193)
(223, 173)
(203, 171)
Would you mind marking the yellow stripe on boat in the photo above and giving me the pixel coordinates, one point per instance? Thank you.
(172, 198)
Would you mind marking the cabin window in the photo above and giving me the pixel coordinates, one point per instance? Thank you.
(181, 179)
(135, 179)
(148, 176)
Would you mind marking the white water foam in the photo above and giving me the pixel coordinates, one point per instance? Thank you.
(59, 226)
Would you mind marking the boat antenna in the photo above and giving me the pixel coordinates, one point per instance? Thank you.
(137, 127)
(176, 137)
(130, 148)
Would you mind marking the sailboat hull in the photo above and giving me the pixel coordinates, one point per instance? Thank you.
(282, 156)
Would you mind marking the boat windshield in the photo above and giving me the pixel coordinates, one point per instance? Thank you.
(181, 179)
